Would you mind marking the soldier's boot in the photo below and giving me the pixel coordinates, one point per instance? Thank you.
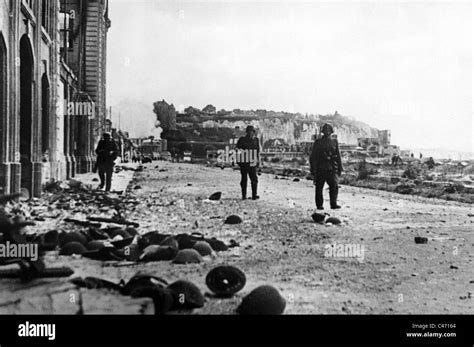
(244, 191)
(108, 185)
(333, 192)
(254, 191)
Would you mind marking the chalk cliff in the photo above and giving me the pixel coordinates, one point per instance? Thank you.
(292, 128)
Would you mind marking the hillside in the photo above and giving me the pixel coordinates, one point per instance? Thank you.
(292, 127)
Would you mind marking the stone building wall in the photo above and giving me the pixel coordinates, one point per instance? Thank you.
(39, 141)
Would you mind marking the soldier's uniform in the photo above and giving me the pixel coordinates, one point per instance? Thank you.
(326, 165)
(250, 143)
(107, 152)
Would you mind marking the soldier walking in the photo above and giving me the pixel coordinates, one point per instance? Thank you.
(107, 152)
(326, 165)
(251, 143)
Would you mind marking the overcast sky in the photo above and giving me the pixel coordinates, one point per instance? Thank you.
(405, 66)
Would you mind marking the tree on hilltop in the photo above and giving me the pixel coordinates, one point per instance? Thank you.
(209, 109)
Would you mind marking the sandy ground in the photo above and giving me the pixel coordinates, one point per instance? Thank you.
(281, 245)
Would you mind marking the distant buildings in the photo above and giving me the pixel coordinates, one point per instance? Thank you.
(378, 146)
(150, 147)
(52, 56)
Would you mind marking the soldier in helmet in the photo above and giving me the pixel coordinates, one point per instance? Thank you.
(107, 152)
(250, 143)
(326, 165)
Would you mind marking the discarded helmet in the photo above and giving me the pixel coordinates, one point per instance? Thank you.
(170, 241)
(140, 280)
(95, 244)
(216, 196)
(203, 248)
(233, 219)
(187, 256)
(262, 300)
(162, 297)
(318, 217)
(73, 247)
(76, 236)
(131, 252)
(157, 253)
(186, 295)
(225, 281)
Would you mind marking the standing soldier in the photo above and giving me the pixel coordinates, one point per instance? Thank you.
(249, 142)
(107, 152)
(325, 164)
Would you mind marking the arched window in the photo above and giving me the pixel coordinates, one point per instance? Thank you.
(26, 94)
(3, 94)
(45, 117)
(26, 109)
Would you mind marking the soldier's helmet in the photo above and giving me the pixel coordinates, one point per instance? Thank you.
(249, 129)
(327, 129)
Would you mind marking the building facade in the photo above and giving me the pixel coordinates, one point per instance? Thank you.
(39, 138)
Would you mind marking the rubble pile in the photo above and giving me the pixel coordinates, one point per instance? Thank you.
(13, 238)
(75, 220)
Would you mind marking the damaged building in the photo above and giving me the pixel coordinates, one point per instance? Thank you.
(52, 58)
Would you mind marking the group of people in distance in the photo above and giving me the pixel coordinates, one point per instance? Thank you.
(325, 164)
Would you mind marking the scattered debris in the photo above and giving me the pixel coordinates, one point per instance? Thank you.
(333, 220)
(9, 197)
(114, 220)
(420, 239)
(29, 271)
(95, 283)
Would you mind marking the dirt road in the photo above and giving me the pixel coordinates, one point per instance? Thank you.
(282, 246)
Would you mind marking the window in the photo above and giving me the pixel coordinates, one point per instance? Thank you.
(30, 4)
(66, 23)
(3, 90)
(45, 15)
(45, 116)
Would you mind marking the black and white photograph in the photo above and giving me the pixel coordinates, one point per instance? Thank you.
(238, 158)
